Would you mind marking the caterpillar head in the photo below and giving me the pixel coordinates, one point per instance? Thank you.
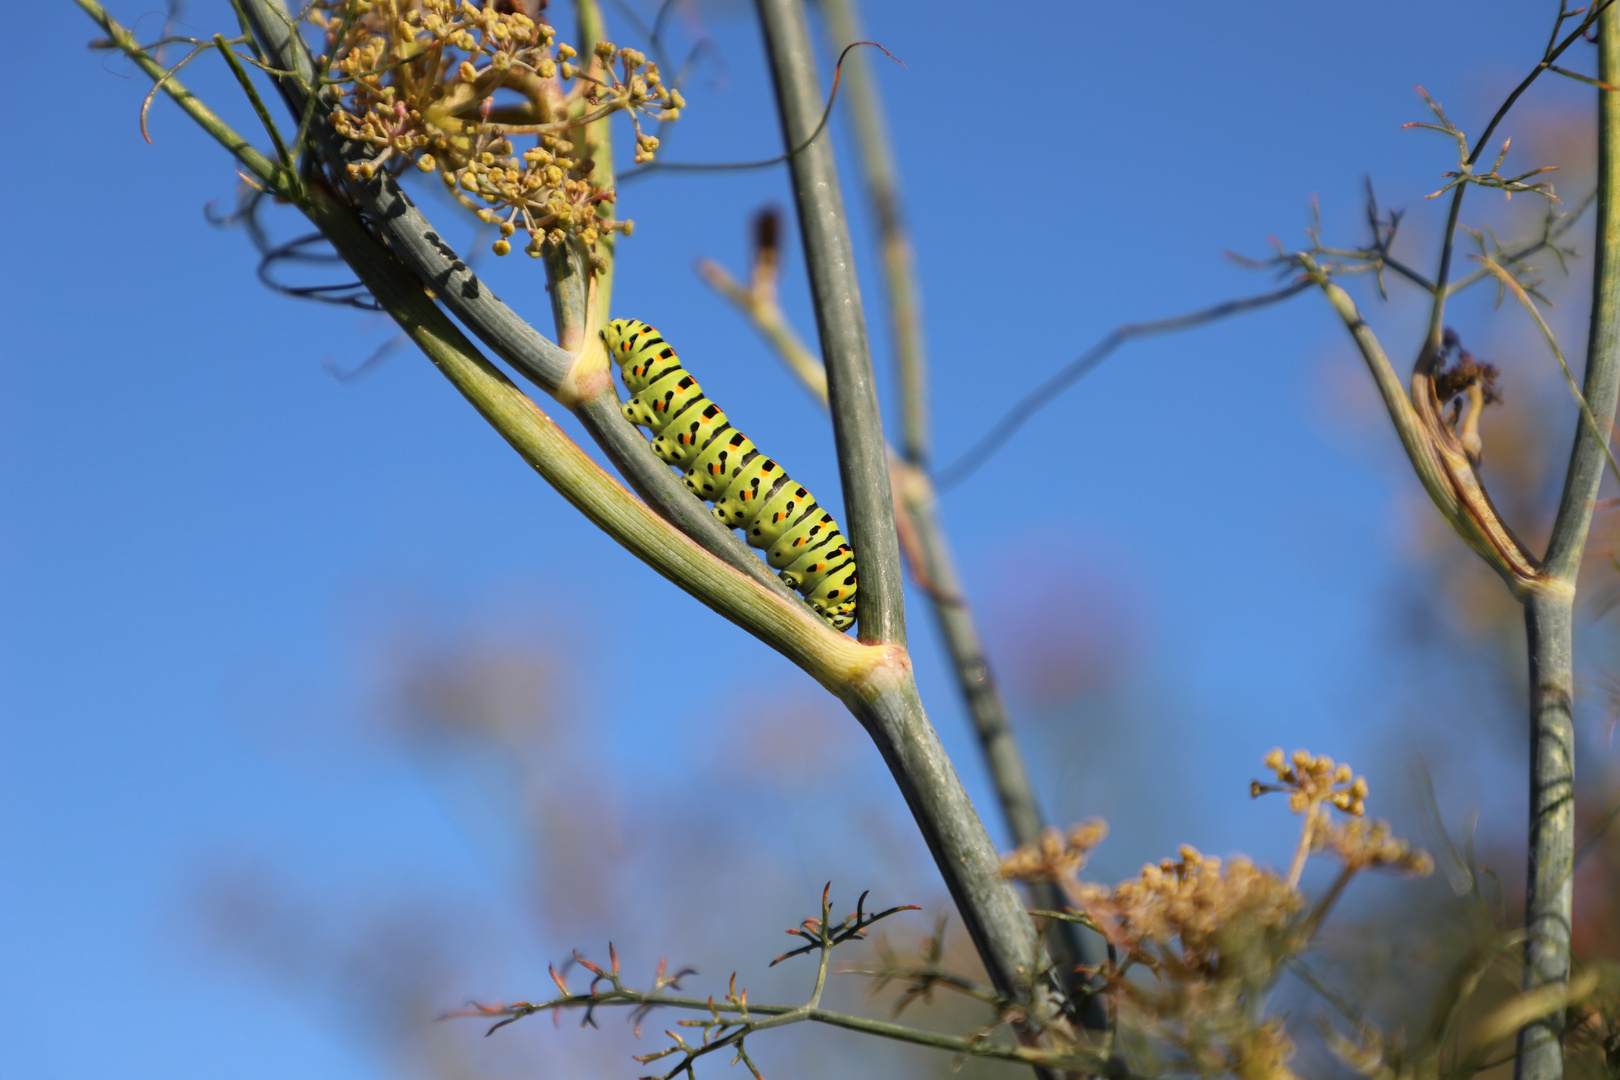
(622, 336)
(635, 347)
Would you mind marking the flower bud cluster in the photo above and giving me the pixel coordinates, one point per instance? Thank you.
(420, 82)
(1187, 902)
(639, 86)
(1215, 933)
(546, 191)
(1314, 781)
(1364, 844)
(1056, 857)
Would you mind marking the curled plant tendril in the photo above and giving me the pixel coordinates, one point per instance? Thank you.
(821, 125)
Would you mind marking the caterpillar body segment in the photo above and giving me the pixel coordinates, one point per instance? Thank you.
(721, 465)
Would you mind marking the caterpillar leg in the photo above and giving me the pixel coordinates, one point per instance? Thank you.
(836, 590)
(842, 620)
(807, 571)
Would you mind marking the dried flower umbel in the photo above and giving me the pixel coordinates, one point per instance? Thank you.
(450, 86)
(1215, 933)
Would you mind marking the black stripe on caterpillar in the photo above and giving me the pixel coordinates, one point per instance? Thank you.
(721, 465)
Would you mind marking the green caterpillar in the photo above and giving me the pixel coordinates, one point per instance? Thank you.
(749, 491)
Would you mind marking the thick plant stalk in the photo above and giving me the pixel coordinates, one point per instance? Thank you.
(899, 260)
(581, 298)
(1549, 613)
(991, 911)
(935, 564)
(925, 545)
(892, 712)
(1602, 376)
(1549, 894)
(857, 422)
(1003, 759)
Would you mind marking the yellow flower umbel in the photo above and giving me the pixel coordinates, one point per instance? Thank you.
(1315, 786)
(450, 84)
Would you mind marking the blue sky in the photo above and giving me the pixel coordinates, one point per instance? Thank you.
(210, 544)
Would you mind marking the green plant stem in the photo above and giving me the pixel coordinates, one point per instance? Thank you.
(763, 311)
(857, 421)
(892, 713)
(1549, 615)
(935, 562)
(864, 106)
(935, 569)
(1602, 378)
(1549, 622)
(1003, 758)
(580, 293)
(437, 264)
(252, 95)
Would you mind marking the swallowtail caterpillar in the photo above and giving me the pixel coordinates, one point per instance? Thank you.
(721, 465)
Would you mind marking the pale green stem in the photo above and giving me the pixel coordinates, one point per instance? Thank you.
(937, 564)
(1002, 756)
(963, 851)
(1602, 364)
(934, 567)
(864, 106)
(580, 294)
(857, 420)
(1549, 896)
(1549, 615)
(766, 316)
(990, 908)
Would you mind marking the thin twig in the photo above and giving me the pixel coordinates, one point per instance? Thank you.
(152, 94)
(963, 851)
(980, 452)
(1554, 50)
(252, 94)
